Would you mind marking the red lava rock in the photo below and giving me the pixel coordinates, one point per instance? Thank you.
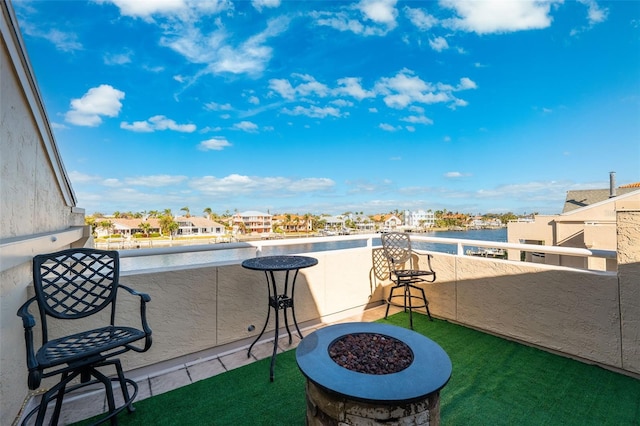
(371, 353)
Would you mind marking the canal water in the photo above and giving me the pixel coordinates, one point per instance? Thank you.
(197, 258)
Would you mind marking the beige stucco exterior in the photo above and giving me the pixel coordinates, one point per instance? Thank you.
(628, 218)
(37, 205)
(592, 227)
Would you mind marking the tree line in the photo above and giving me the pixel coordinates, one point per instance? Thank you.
(168, 225)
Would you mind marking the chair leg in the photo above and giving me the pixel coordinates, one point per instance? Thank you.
(58, 407)
(407, 295)
(389, 301)
(58, 390)
(426, 303)
(109, 390)
(123, 386)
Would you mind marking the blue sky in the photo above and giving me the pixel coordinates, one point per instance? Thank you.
(328, 107)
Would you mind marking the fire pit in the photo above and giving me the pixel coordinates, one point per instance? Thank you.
(369, 373)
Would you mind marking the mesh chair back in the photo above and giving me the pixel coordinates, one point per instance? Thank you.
(380, 264)
(397, 247)
(75, 283)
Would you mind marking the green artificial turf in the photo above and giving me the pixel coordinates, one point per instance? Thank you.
(494, 382)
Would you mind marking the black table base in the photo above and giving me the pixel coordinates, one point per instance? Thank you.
(279, 301)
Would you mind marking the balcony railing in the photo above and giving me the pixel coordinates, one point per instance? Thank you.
(456, 246)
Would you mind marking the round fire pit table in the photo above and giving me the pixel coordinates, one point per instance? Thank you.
(338, 395)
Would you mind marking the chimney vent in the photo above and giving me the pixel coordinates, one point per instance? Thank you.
(612, 184)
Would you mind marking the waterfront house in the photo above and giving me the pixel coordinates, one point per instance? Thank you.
(251, 221)
(293, 223)
(387, 222)
(198, 226)
(419, 219)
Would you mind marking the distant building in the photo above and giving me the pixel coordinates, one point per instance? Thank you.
(386, 222)
(293, 223)
(194, 225)
(419, 219)
(251, 221)
(334, 222)
(588, 221)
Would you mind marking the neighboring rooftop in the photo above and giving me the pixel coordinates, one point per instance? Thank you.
(585, 197)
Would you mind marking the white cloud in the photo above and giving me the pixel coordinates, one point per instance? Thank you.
(311, 86)
(367, 18)
(214, 106)
(282, 87)
(67, 42)
(466, 83)
(251, 56)
(498, 16)
(118, 58)
(406, 88)
(214, 144)
(387, 127)
(260, 4)
(157, 122)
(351, 86)
(181, 9)
(313, 111)
(439, 44)
(260, 187)
(80, 178)
(595, 13)
(420, 19)
(417, 119)
(311, 184)
(99, 101)
(308, 86)
(246, 126)
(62, 40)
(155, 181)
(380, 11)
(453, 175)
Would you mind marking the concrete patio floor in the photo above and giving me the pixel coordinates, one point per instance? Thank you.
(164, 377)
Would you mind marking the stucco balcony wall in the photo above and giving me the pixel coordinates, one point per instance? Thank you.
(573, 312)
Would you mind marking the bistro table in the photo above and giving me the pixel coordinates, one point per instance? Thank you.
(279, 301)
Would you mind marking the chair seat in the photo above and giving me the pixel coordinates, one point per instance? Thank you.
(86, 345)
(403, 273)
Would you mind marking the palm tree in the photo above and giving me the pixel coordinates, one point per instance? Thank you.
(186, 210)
(307, 220)
(91, 221)
(107, 225)
(168, 225)
(145, 226)
(208, 212)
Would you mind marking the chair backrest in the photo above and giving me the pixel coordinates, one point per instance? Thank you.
(397, 248)
(380, 266)
(75, 283)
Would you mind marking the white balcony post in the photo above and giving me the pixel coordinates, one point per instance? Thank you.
(460, 249)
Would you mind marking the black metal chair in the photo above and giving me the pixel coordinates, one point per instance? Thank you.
(403, 267)
(71, 285)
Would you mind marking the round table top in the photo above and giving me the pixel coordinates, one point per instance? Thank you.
(429, 372)
(279, 263)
